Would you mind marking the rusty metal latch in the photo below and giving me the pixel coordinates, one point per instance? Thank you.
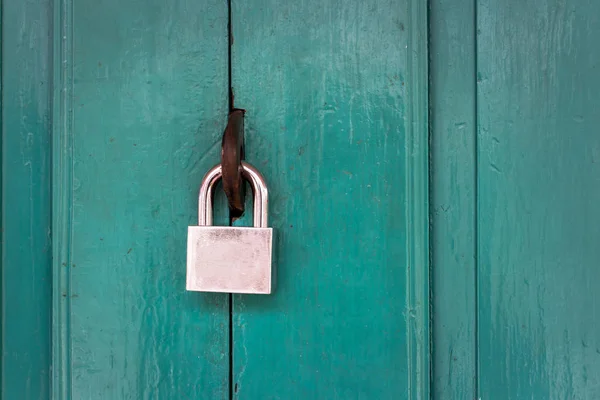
(232, 155)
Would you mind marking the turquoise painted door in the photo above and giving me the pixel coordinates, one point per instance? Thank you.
(108, 131)
(515, 189)
(377, 124)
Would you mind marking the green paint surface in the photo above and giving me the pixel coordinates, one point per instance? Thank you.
(113, 111)
(26, 200)
(120, 113)
(453, 197)
(335, 94)
(539, 191)
(514, 208)
(146, 93)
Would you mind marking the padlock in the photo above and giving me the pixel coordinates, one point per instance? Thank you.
(231, 259)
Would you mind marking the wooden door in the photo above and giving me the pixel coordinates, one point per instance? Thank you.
(515, 94)
(337, 121)
(376, 124)
(114, 111)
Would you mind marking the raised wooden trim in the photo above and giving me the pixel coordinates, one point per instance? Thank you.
(62, 193)
(417, 206)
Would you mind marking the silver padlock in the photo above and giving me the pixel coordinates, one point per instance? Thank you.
(231, 259)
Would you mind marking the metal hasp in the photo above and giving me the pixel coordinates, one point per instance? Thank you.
(232, 155)
(231, 259)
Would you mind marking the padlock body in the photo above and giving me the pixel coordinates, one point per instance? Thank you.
(229, 259)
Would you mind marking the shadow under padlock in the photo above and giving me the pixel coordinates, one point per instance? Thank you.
(231, 259)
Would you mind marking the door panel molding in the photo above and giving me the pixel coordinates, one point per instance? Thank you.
(417, 207)
(62, 191)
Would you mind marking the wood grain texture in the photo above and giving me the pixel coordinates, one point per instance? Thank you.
(140, 107)
(26, 199)
(336, 120)
(453, 195)
(539, 190)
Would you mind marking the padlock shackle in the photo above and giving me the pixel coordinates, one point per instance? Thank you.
(259, 189)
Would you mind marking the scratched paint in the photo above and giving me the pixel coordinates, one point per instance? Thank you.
(328, 89)
(539, 190)
(536, 183)
(26, 200)
(453, 196)
(149, 104)
(149, 98)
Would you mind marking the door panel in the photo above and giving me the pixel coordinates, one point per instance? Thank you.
(536, 181)
(141, 104)
(453, 197)
(335, 94)
(26, 199)
(539, 190)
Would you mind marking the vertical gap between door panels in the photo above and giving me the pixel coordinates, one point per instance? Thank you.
(476, 199)
(229, 43)
(2, 234)
(231, 106)
(2, 231)
(429, 194)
